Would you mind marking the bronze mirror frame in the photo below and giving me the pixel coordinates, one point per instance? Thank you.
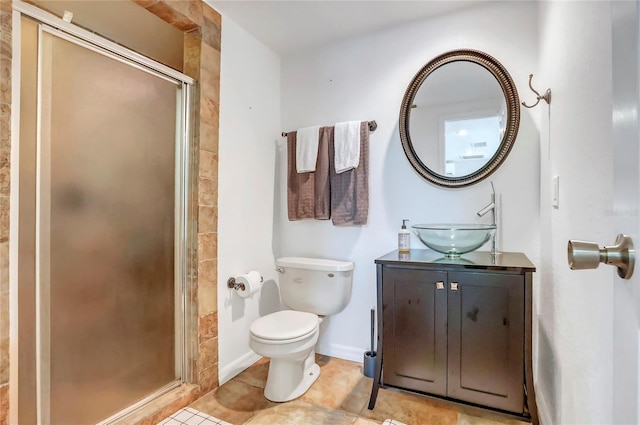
(511, 128)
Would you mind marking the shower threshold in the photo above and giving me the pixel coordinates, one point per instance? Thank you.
(163, 402)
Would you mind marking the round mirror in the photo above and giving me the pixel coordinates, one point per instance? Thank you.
(459, 118)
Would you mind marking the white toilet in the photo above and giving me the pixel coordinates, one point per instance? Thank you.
(310, 287)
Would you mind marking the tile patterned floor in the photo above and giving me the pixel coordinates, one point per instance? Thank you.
(339, 397)
(189, 416)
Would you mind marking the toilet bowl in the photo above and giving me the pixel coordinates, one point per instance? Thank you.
(310, 288)
(287, 337)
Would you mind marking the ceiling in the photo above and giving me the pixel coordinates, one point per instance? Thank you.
(291, 26)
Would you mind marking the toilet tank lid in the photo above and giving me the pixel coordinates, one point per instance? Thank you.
(315, 264)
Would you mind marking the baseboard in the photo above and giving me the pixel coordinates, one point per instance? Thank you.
(543, 409)
(345, 352)
(237, 366)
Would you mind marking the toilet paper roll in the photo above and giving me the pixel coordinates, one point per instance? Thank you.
(252, 283)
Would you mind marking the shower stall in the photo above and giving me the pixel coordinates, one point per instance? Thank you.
(102, 194)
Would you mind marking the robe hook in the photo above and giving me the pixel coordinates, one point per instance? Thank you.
(546, 97)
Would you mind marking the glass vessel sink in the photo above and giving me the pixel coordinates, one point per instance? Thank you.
(453, 240)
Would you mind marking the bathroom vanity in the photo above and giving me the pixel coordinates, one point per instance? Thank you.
(457, 328)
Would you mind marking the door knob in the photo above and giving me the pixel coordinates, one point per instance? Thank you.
(587, 255)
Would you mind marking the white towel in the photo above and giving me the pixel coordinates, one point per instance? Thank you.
(307, 149)
(347, 145)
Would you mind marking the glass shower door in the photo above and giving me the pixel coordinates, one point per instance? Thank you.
(105, 221)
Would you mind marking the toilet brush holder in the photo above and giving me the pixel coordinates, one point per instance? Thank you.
(369, 362)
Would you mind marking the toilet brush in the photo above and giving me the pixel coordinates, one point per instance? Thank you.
(369, 364)
(373, 313)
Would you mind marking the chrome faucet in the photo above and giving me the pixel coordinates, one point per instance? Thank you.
(493, 207)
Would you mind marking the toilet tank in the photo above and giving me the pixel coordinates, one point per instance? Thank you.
(315, 285)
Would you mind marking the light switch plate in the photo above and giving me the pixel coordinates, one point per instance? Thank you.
(556, 192)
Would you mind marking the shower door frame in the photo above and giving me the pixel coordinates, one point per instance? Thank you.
(184, 226)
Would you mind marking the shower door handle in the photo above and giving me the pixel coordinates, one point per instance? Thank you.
(587, 255)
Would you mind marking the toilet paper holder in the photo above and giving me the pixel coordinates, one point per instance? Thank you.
(232, 284)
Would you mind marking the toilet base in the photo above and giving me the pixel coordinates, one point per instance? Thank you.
(289, 379)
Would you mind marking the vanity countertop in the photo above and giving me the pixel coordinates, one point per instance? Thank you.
(479, 260)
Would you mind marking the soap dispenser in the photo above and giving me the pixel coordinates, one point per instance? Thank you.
(404, 237)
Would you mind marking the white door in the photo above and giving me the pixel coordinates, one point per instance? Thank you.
(626, 207)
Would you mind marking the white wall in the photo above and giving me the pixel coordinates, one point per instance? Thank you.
(575, 307)
(566, 45)
(365, 78)
(249, 129)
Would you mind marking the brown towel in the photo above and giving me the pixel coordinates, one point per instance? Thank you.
(350, 190)
(308, 194)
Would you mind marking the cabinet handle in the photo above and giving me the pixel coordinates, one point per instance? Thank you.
(439, 285)
(454, 286)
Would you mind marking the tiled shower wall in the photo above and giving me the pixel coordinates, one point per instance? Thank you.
(201, 26)
(5, 145)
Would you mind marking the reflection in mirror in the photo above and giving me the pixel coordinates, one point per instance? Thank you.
(459, 118)
(469, 143)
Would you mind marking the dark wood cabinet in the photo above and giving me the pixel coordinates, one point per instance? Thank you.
(486, 339)
(459, 329)
(415, 330)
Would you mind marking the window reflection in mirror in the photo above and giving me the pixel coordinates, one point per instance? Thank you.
(458, 119)
(469, 143)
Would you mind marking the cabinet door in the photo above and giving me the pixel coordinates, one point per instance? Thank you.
(486, 339)
(415, 329)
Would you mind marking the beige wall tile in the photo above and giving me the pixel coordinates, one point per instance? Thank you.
(210, 57)
(5, 33)
(4, 265)
(207, 298)
(210, 75)
(4, 219)
(209, 379)
(208, 220)
(209, 136)
(208, 165)
(208, 325)
(191, 67)
(207, 273)
(209, 353)
(210, 14)
(5, 126)
(6, 5)
(5, 80)
(5, 171)
(4, 347)
(207, 246)
(163, 10)
(190, 9)
(4, 402)
(208, 192)
(211, 33)
(192, 40)
(209, 110)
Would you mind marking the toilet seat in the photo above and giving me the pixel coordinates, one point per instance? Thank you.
(284, 325)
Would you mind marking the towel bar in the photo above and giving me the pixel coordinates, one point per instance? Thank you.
(372, 127)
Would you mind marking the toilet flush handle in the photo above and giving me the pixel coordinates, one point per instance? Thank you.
(280, 269)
